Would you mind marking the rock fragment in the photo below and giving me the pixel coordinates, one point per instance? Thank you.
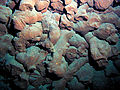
(5, 13)
(42, 5)
(13, 67)
(31, 31)
(71, 53)
(85, 73)
(67, 2)
(65, 23)
(3, 29)
(110, 18)
(81, 13)
(27, 5)
(21, 18)
(105, 30)
(57, 6)
(6, 45)
(100, 49)
(58, 65)
(77, 41)
(31, 58)
(71, 10)
(75, 85)
(111, 70)
(102, 4)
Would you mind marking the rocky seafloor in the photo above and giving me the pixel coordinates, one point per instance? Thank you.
(59, 44)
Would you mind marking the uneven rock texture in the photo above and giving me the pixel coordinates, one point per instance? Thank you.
(50, 25)
(71, 9)
(31, 58)
(31, 31)
(74, 84)
(11, 4)
(6, 45)
(85, 74)
(20, 18)
(14, 67)
(65, 23)
(58, 63)
(5, 13)
(103, 4)
(57, 5)
(99, 49)
(3, 29)
(59, 44)
(82, 12)
(42, 5)
(27, 5)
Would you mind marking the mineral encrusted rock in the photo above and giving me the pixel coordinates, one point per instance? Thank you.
(100, 49)
(58, 65)
(60, 44)
(31, 57)
(50, 26)
(71, 9)
(31, 31)
(57, 5)
(20, 18)
(65, 23)
(103, 4)
(27, 5)
(6, 45)
(42, 5)
(106, 29)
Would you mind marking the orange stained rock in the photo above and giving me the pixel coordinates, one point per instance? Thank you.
(21, 18)
(27, 5)
(71, 8)
(31, 32)
(55, 0)
(67, 2)
(103, 4)
(84, 1)
(65, 22)
(58, 5)
(42, 5)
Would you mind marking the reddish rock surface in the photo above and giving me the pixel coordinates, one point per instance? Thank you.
(57, 5)
(105, 30)
(27, 5)
(60, 44)
(21, 18)
(103, 4)
(67, 2)
(71, 10)
(42, 6)
(65, 23)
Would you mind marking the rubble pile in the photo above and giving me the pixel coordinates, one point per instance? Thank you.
(60, 44)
